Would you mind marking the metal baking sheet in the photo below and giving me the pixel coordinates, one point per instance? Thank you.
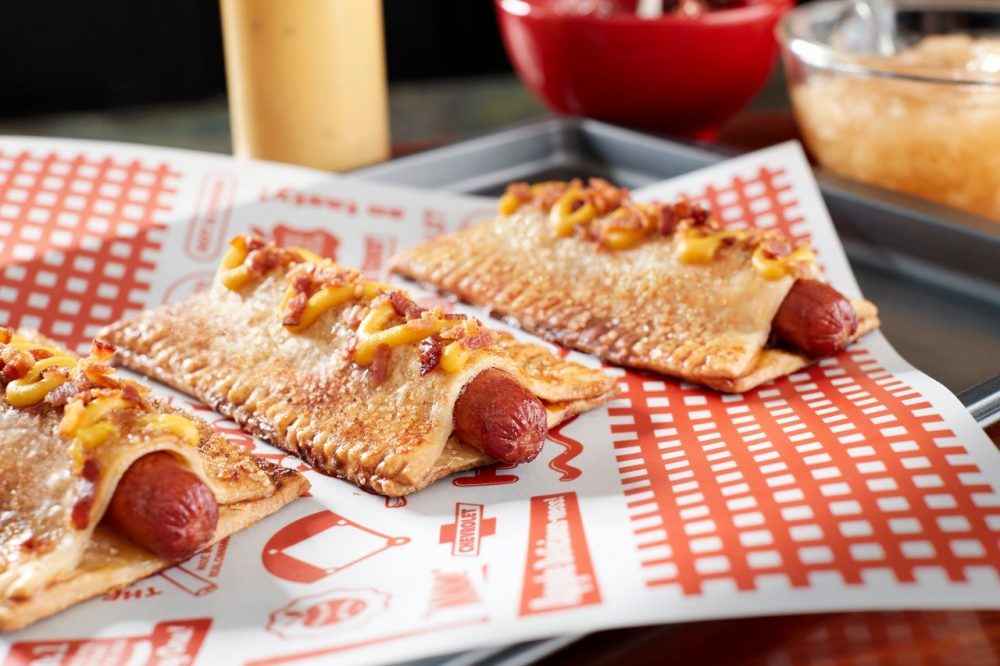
(933, 271)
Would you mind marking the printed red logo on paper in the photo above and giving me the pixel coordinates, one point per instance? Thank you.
(317, 614)
(320, 241)
(309, 199)
(173, 643)
(487, 476)
(206, 232)
(558, 573)
(468, 530)
(321, 544)
(377, 250)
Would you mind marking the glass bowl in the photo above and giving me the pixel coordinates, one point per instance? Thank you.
(914, 107)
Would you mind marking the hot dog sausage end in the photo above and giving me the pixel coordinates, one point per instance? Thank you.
(163, 507)
(498, 416)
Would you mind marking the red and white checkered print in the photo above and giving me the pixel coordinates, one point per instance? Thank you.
(766, 201)
(76, 236)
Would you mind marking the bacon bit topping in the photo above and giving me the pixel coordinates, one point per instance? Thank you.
(483, 338)
(16, 364)
(251, 256)
(130, 392)
(666, 224)
(453, 315)
(699, 214)
(429, 354)
(102, 350)
(607, 216)
(382, 316)
(292, 315)
(599, 193)
(355, 315)
(351, 346)
(95, 366)
(380, 363)
(261, 261)
(404, 306)
(454, 333)
(39, 354)
(61, 395)
(255, 242)
(774, 246)
(85, 500)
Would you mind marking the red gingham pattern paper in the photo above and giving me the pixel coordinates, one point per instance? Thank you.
(76, 234)
(838, 468)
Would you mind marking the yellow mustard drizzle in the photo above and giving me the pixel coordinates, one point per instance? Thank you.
(773, 268)
(371, 333)
(697, 248)
(562, 216)
(182, 428)
(324, 299)
(33, 387)
(232, 272)
(508, 204)
(88, 425)
(695, 245)
(454, 357)
(327, 297)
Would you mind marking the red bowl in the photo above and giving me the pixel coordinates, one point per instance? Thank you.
(669, 74)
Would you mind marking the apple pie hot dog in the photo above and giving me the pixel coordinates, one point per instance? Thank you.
(662, 287)
(104, 484)
(352, 375)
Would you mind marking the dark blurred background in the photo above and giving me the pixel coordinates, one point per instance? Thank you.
(74, 56)
(153, 72)
(65, 55)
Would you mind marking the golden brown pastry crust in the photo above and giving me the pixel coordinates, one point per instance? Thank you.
(47, 563)
(304, 393)
(638, 307)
